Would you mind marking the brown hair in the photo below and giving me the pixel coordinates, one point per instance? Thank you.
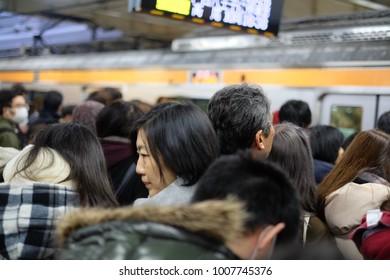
(385, 205)
(368, 151)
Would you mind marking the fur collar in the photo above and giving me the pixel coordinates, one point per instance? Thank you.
(222, 220)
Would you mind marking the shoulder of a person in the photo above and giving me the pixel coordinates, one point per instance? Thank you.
(360, 189)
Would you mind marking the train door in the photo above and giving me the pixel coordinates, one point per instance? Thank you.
(383, 104)
(349, 113)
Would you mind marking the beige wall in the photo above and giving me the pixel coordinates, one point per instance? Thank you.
(305, 8)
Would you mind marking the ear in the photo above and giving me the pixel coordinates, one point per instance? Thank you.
(259, 141)
(269, 236)
(5, 111)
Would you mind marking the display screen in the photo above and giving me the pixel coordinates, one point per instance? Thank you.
(205, 77)
(173, 6)
(251, 16)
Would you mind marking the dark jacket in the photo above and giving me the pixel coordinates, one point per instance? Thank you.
(8, 136)
(196, 231)
(121, 161)
(321, 169)
(46, 116)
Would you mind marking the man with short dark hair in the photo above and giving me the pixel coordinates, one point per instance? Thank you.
(49, 114)
(242, 118)
(297, 112)
(271, 201)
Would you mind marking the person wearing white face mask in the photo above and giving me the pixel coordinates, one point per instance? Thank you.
(20, 116)
(14, 115)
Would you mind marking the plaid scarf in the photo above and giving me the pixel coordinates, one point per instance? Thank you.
(369, 177)
(29, 213)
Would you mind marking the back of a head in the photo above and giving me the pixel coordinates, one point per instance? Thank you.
(19, 88)
(115, 93)
(117, 118)
(237, 113)
(81, 149)
(384, 122)
(326, 141)
(67, 138)
(67, 110)
(86, 114)
(52, 100)
(105, 95)
(181, 136)
(267, 192)
(297, 112)
(347, 141)
(291, 151)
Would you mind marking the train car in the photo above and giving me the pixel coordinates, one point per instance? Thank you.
(344, 78)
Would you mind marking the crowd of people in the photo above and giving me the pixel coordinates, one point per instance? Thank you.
(116, 179)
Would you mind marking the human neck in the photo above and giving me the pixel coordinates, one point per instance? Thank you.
(243, 246)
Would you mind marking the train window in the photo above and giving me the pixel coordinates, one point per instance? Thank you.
(201, 103)
(349, 112)
(346, 118)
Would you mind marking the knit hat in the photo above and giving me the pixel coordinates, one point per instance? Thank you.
(86, 114)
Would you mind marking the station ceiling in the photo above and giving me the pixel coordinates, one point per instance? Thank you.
(110, 19)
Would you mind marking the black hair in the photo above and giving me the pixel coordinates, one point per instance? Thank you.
(384, 122)
(326, 141)
(6, 97)
(267, 191)
(81, 149)
(181, 136)
(67, 110)
(19, 88)
(296, 112)
(237, 113)
(52, 100)
(117, 118)
(347, 141)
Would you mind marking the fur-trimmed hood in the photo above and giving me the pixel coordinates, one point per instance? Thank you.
(222, 220)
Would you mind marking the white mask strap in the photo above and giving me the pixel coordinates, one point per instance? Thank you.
(261, 235)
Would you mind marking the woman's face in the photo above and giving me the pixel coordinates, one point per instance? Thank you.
(148, 169)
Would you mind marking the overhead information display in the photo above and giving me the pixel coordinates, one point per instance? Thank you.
(173, 6)
(250, 16)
